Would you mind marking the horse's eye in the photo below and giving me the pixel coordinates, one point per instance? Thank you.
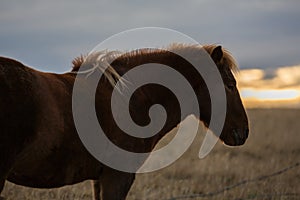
(231, 87)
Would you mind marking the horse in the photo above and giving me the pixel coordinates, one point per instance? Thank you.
(39, 143)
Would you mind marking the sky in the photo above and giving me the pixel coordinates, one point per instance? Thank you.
(262, 35)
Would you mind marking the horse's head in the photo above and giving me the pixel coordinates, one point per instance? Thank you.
(235, 130)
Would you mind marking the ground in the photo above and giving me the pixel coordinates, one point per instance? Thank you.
(273, 145)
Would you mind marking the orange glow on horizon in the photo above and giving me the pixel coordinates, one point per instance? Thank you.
(270, 94)
(261, 98)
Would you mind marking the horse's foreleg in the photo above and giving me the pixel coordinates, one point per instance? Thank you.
(96, 189)
(115, 184)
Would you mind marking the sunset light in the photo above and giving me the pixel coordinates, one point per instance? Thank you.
(271, 95)
(280, 88)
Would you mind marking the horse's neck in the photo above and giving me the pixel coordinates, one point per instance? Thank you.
(150, 95)
(153, 95)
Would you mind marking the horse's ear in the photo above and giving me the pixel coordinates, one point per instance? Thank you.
(217, 54)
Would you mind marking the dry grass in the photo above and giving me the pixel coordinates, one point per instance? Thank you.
(274, 143)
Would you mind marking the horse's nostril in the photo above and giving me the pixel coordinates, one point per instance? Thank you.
(241, 135)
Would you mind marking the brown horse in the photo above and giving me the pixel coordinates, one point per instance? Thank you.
(39, 144)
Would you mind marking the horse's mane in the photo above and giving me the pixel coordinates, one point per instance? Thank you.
(101, 59)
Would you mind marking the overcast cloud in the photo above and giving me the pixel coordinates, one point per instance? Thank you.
(49, 34)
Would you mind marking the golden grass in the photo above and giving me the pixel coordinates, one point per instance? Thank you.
(273, 144)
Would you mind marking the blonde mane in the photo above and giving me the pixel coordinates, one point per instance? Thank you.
(101, 60)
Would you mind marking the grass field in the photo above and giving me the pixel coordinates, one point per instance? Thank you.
(273, 144)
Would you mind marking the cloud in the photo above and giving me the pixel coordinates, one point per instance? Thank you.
(289, 76)
(283, 77)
